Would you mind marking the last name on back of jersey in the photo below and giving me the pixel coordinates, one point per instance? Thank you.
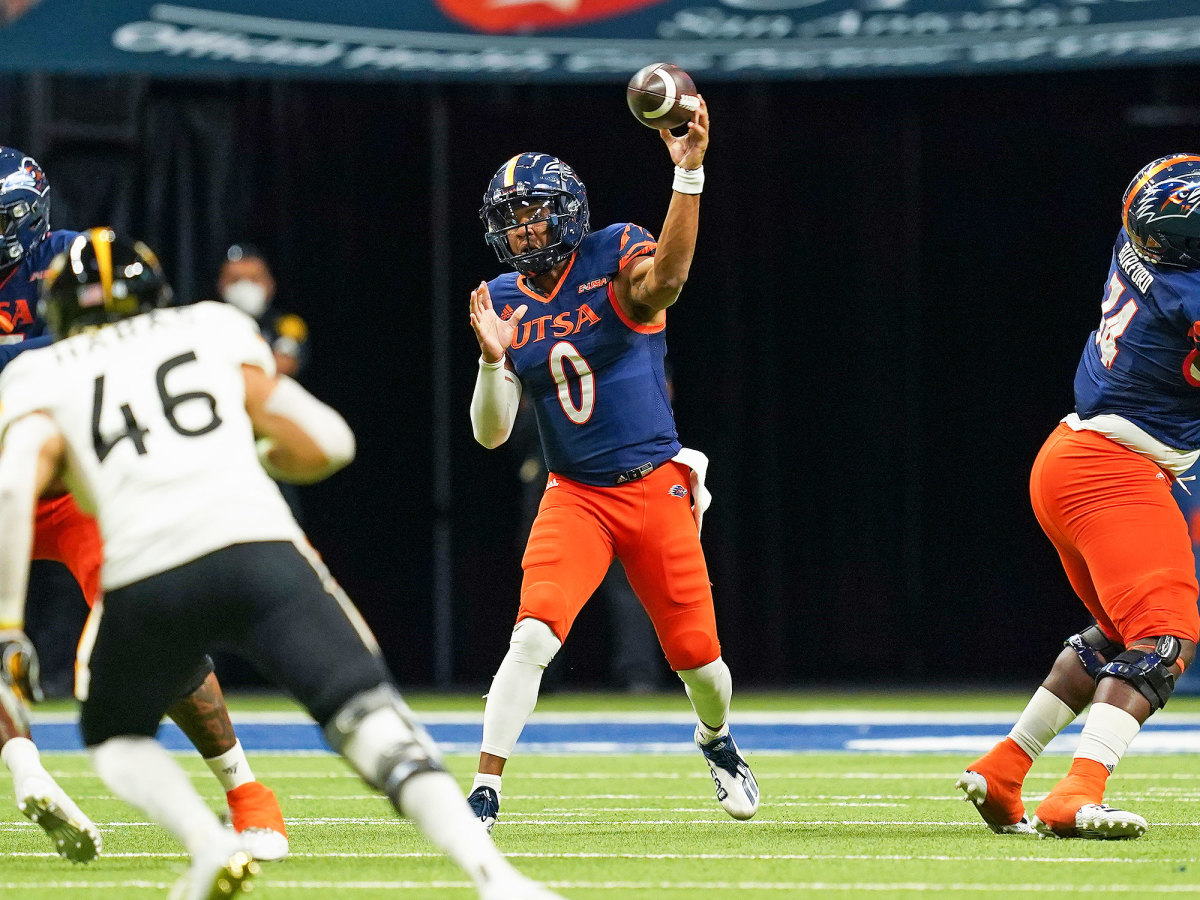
(1134, 269)
(91, 339)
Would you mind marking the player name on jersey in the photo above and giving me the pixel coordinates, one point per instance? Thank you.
(1128, 260)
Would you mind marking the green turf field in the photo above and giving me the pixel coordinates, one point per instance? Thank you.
(646, 827)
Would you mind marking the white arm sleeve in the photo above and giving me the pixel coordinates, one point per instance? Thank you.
(494, 403)
(23, 441)
(322, 423)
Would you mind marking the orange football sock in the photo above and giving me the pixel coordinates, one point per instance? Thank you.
(1004, 767)
(1083, 784)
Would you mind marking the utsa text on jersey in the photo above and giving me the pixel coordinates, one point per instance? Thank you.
(563, 325)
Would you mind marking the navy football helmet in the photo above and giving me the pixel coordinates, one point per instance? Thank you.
(24, 206)
(99, 279)
(1162, 211)
(560, 200)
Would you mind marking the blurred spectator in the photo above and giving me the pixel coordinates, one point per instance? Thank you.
(637, 661)
(246, 282)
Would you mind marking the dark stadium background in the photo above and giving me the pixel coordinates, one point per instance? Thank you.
(892, 287)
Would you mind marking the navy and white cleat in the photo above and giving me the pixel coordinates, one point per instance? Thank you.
(737, 791)
(485, 804)
(1099, 822)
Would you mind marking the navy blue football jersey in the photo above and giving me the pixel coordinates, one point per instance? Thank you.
(20, 327)
(1141, 362)
(596, 378)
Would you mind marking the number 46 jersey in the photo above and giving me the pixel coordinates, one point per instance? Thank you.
(1141, 362)
(153, 412)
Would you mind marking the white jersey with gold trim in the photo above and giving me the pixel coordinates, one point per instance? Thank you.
(159, 445)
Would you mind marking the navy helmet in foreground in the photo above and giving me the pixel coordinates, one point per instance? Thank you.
(100, 278)
(24, 206)
(1162, 211)
(530, 190)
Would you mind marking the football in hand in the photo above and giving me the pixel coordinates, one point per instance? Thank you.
(662, 96)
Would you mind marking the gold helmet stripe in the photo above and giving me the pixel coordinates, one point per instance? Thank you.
(102, 243)
(510, 171)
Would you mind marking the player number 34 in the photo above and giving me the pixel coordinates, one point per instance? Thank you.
(1112, 327)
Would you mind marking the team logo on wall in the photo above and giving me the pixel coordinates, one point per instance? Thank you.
(534, 15)
(11, 10)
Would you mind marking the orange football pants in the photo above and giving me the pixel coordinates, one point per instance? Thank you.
(648, 525)
(1121, 537)
(64, 533)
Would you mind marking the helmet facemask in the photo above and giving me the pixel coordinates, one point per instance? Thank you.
(543, 215)
(554, 192)
(24, 206)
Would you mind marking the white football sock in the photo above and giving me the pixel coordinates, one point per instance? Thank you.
(21, 756)
(710, 688)
(142, 773)
(491, 781)
(1044, 717)
(1106, 735)
(514, 690)
(231, 767)
(436, 805)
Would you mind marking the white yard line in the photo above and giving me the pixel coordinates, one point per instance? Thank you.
(704, 886)
(520, 820)
(767, 857)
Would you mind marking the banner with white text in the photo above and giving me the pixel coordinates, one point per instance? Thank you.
(590, 40)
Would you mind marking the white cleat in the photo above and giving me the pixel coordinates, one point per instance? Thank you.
(1098, 822)
(216, 876)
(974, 788)
(737, 791)
(74, 835)
(264, 844)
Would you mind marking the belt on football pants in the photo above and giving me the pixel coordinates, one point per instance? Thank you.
(634, 474)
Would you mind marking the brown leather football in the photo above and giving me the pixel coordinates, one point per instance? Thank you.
(662, 96)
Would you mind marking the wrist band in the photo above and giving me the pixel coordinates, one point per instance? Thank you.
(689, 181)
(484, 364)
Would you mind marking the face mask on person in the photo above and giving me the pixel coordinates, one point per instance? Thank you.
(248, 296)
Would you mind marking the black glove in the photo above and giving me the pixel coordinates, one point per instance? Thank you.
(21, 670)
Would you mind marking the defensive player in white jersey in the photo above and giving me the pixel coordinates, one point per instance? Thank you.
(150, 416)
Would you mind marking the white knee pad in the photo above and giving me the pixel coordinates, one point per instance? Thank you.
(533, 642)
(710, 689)
(712, 678)
(377, 733)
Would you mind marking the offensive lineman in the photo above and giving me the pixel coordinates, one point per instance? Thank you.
(1101, 490)
(64, 534)
(150, 417)
(591, 358)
